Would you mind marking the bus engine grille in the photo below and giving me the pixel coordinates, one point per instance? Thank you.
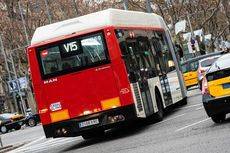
(137, 96)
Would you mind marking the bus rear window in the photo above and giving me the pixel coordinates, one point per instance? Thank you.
(73, 55)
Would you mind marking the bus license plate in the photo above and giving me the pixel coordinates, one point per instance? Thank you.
(226, 86)
(88, 123)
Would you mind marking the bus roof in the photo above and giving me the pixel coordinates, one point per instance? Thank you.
(109, 17)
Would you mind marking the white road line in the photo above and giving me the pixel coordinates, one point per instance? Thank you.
(171, 118)
(185, 127)
(28, 144)
(191, 106)
(43, 145)
(200, 108)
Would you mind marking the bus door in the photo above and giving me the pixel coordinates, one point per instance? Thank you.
(161, 62)
(140, 69)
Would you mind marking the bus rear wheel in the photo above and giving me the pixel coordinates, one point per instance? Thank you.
(93, 134)
(159, 115)
(183, 102)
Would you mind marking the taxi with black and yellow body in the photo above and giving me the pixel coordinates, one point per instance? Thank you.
(190, 68)
(216, 89)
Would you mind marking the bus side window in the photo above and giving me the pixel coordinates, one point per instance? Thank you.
(124, 49)
(163, 51)
(146, 55)
(161, 67)
(170, 61)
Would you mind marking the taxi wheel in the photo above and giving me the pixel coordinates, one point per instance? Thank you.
(218, 118)
(4, 129)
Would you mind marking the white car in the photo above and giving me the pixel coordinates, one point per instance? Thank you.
(203, 66)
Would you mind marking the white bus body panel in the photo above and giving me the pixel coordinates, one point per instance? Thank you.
(139, 106)
(153, 83)
(174, 86)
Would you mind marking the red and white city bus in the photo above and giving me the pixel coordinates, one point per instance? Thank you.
(94, 72)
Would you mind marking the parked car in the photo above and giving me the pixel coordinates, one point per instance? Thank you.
(190, 67)
(31, 119)
(216, 89)
(204, 65)
(10, 121)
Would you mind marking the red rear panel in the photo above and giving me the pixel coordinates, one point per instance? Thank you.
(82, 92)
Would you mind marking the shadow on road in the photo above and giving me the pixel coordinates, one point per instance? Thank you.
(227, 121)
(113, 134)
(129, 130)
(124, 131)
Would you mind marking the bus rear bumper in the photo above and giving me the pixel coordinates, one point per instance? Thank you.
(102, 120)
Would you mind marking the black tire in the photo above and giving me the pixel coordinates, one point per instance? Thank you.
(219, 118)
(160, 114)
(31, 122)
(4, 129)
(183, 102)
(93, 134)
(18, 127)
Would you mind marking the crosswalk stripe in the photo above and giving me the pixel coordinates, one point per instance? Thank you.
(43, 145)
(42, 148)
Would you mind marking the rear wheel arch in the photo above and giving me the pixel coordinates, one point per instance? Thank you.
(160, 113)
(159, 95)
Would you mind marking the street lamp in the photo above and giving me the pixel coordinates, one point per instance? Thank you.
(23, 22)
(48, 11)
(126, 3)
(75, 6)
(148, 6)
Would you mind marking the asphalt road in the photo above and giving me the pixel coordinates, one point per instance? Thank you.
(184, 129)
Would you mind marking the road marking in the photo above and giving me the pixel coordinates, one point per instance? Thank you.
(187, 126)
(172, 118)
(43, 146)
(169, 119)
(200, 108)
(191, 106)
(28, 144)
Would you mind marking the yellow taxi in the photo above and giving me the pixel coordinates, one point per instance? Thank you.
(190, 69)
(216, 89)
